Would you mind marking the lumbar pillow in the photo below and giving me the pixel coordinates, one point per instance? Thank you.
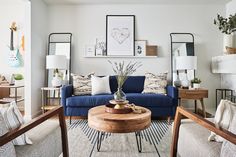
(82, 84)
(155, 83)
(13, 120)
(223, 117)
(100, 85)
(7, 149)
(228, 149)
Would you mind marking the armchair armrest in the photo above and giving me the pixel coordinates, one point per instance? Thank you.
(181, 112)
(66, 91)
(9, 136)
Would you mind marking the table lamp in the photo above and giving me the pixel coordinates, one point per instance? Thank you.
(186, 63)
(56, 62)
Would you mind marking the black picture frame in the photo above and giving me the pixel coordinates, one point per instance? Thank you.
(120, 36)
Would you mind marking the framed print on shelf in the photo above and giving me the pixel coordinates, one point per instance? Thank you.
(140, 47)
(120, 35)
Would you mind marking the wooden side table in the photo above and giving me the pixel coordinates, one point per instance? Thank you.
(49, 93)
(15, 97)
(194, 94)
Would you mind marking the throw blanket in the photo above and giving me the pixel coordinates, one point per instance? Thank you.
(223, 118)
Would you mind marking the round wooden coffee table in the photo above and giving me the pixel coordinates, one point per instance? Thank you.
(105, 122)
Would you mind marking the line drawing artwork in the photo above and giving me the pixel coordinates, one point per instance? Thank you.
(120, 34)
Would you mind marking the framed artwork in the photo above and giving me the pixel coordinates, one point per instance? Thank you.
(120, 35)
(140, 47)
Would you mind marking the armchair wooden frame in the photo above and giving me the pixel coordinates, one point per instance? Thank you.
(181, 113)
(36, 121)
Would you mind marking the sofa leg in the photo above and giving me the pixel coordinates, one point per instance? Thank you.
(168, 119)
(70, 120)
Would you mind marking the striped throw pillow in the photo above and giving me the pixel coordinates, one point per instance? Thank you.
(7, 149)
(155, 84)
(13, 120)
(82, 84)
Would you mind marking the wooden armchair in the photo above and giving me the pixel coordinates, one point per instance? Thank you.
(36, 122)
(181, 113)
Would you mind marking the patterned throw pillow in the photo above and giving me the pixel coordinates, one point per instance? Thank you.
(228, 149)
(82, 84)
(155, 83)
(7, 149)
(13, 120)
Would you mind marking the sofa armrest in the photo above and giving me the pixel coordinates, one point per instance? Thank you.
(181, 113)
(66, 91)
(9, 136)
(172, 92)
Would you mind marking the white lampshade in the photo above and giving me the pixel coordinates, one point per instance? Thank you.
(56, 62)
(186, 63)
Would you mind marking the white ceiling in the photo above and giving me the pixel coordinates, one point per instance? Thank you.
(136, 1)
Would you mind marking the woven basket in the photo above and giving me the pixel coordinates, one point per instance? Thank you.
(230, 50)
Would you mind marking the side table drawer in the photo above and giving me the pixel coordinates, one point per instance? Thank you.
(193, 94)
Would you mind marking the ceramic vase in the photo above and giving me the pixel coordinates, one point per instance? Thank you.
(196, 85)
(56, 81)
(228, 41)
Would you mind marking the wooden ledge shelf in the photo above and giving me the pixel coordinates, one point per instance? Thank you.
(120, 56)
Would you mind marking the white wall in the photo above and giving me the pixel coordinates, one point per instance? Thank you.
(18, 16)
(35, 66)
(229, 80)
(153, 23)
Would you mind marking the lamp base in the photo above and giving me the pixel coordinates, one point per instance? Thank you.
(56, 81)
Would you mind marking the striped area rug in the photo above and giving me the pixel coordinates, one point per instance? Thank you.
(155, 141)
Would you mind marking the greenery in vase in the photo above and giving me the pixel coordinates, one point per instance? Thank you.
(196, 80)
(123, 70)
(18, 76)
(226, 25)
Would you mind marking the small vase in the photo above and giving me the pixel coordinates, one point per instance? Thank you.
(228, 41)
(177, 82)
(119, 95)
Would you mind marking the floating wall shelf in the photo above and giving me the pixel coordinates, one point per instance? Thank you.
(120, 56)
(224, 64)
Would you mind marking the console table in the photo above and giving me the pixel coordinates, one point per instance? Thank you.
(194, 94)
(15, 98)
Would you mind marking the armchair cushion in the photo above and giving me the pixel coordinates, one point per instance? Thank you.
(193, 141)
(229, 149)
(7, 149)
(13, 120)
(46, 139)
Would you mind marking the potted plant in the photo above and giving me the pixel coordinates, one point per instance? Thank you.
(196, 83)
(18, 79)
(227, 26)
(122, 72)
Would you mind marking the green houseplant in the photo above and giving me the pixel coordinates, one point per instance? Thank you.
(196, 83)
(227, 26)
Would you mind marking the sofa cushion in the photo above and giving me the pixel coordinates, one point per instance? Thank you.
(193, 141)
(46, 139)
(148, 100)
(88, 101)
(82, 84)
(100, 85)
(155, 83)
(7, 149)
(133, 84)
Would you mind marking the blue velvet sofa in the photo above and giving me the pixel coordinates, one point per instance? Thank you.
(159, 104)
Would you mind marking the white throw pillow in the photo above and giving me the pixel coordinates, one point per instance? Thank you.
(13, 120)
(100, 85)
(228, 149)
(155, 84)
(223, 117)
(7, 149)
